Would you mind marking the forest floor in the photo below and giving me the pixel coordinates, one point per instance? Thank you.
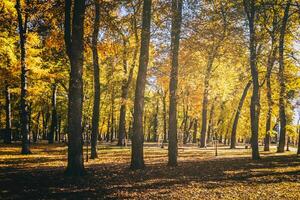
(199, 175)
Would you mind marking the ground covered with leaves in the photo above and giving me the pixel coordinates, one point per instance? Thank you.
(199, 175)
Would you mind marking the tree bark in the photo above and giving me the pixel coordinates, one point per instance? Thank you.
(137, 155)
(75, 47)
(237, 116)
(53, 128)
(250, 9)
(96, 106)
(298, 131)
(282, 93)
(271, 61)
(37, 131)
(24, 72)
(7, 138)
(165, 117)
(112, 127)
(125, 86)
(210, 122)
(195, 131)
(155, 124)
(175, 37)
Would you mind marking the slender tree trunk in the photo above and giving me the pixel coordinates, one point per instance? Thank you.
(96, 106)
(175, 37)
(165, 117)
(155, 124)
(112, 115)
(75, 47)
(59, 128)
(53, 128)
(210, 122)
(237, 116)
(195, 131)
(108, 128)
(37, 131)
(271, 61)
(298, 130)
(185, 124)
(250, 9)
(137, 155)
(125, 86)
(205, 99)
(282, 93)
(24, 72)
(7, 138)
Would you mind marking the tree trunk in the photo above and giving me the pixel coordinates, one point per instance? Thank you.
(282, 93)
(75, 47)
(165, 117)
(237, 116)
(24, 71)
(137, 155)
(37, 131)
(271, 61)
(112, 127)
(210, 122)
(205, 99)
(7, 138)
(53, 128)
(108, 128)
(195, 131)
(298, 151)
(185, 124)
(96, 111)
(175, 37)
(155, 124)
(125, 86)
(250, 9)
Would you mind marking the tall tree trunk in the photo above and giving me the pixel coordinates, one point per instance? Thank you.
(155, 124)
(175, 37)
(205, 98)
(7, 138)
(125, 86)
(271, 60)
(96, 106)
(75, 47)
(165, 117)
(112, 128)
(237, 116)
(108, 128)
(210, 122)
(250, 9)
(137, 155)
(282, 93)
(185, 124)
(53, 128)
(37, 130)
(24, 70)
(298, 131)
(195, 131)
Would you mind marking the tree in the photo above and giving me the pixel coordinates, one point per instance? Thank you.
(7, 138)
(96, 106)
(127, 80)
(137, 154)
(237, 116)
(74, 33)
(282, 95)
(175, 37)
(24, 72)
(250, 10)
(53, 128)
